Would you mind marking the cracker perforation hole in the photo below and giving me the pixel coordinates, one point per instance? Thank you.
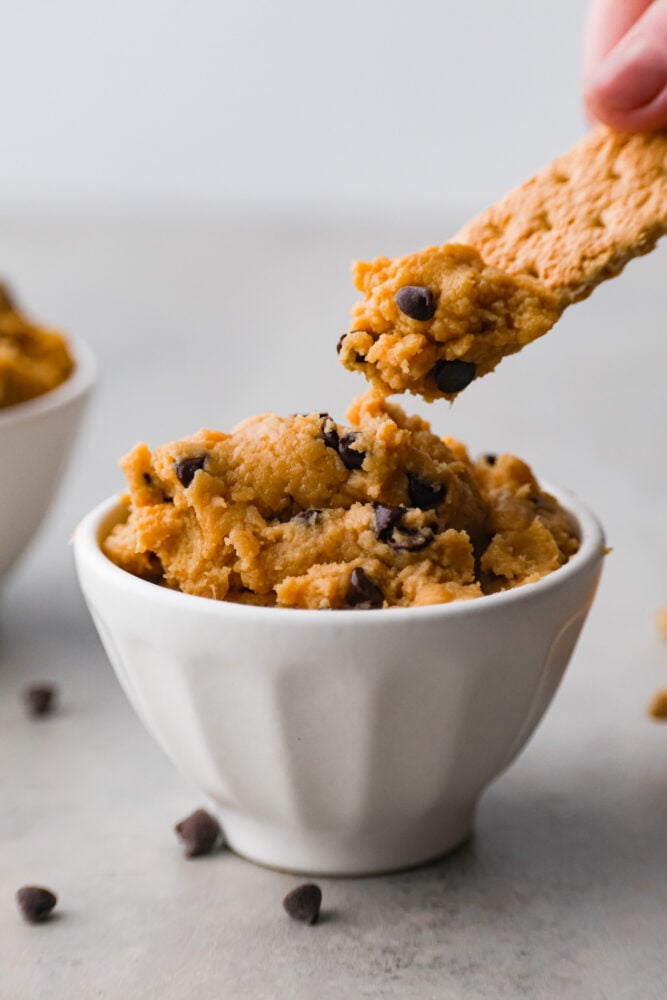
(561, 178)
(597, 222)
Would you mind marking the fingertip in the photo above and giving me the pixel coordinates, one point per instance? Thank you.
(651, 117)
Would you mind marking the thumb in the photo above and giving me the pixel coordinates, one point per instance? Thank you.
(628, 89)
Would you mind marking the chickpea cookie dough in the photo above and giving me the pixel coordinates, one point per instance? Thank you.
(33, 360)
(433, 321)
(302, 512)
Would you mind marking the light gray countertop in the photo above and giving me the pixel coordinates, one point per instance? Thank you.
(563, 891)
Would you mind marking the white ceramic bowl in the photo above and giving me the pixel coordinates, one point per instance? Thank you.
(339, 742)
(35, 442)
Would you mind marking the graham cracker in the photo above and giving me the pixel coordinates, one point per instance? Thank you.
(583, 217)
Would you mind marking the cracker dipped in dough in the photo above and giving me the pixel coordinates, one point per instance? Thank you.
(433, 321)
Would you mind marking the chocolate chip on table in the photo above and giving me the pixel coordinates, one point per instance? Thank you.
(35, 903)
(416, 301)
(185, 470)
(39, 699)
(423, 494)
(362, 591)
(452, 376)
(304, 902)
(386, 518)
(411, 540)
(200, 833)
(351, 458)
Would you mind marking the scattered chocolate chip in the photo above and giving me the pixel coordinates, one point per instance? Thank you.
(329, 432)
(490, 458)
(199, 832)
(351, 458)
(385, 519)
(186, 469)
(416, 301)
(410, 540)
(423, 494)
(310, 515)
(362, 591)
(39, 699)
(452, 376)
(339, 345)
(35, 903)
(304, 902)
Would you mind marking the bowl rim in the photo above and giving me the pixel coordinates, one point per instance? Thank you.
(88, 535)
(77, 384)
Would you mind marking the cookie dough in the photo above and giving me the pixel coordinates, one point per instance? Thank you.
(433, 321)
(33, 360)
(303, 512)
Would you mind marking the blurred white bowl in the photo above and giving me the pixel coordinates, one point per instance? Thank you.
(35, 441)
(339, 742)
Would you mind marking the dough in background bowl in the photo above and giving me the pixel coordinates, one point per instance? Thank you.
(33, 359)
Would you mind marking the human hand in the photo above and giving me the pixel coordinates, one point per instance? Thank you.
(625, 64)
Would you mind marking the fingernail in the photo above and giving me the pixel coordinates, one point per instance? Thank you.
(631, 76)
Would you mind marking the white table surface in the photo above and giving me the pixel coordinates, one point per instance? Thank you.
(563, 891)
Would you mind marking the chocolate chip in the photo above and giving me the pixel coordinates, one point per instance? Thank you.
(362, 591)
(358, 358)
(351, 458)
(385, 519)
(540, 502)
(35, 903)
(329, 432)
(490, 458)
(147, 479)
(312, 514)
(304, 902)
(452, 376)
(416, 301)
(411, 540)
(185, 470)
(39, 699)
(199, 832)
(423, 494)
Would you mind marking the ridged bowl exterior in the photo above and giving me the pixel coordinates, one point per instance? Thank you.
(339, 742)
(35, 442)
